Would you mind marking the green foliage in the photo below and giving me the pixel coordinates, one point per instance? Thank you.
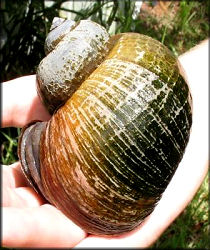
(187, 28)
(191, 25)
(9, 137)
(24, 25)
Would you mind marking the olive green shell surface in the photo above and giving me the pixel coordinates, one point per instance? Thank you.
(108, 154)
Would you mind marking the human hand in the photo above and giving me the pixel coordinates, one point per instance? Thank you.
(178, 194)
(28, 221)
(20, 102)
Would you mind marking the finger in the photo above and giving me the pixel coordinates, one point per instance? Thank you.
(45, 226)
(22, 103)
(12, 176)
(21, 197)
(140, 237)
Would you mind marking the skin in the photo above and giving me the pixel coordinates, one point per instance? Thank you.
(30, 222)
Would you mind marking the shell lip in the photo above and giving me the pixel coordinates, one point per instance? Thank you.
(27, 153)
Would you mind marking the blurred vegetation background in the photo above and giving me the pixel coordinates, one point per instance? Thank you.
(180, 25)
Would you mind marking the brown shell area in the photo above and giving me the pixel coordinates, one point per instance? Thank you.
(93, 160)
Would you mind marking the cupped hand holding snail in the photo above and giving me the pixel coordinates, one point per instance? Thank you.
(121, 119)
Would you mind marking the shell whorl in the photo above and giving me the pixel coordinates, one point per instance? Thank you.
(108, 154)
(67, 65)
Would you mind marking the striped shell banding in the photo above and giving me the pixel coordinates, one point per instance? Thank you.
(121, 122)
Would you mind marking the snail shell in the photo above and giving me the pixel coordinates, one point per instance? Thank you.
(107, 155)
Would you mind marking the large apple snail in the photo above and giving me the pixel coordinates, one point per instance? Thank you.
(121, 119)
